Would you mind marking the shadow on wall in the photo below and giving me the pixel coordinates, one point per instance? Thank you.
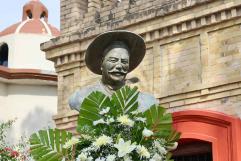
(36, 120)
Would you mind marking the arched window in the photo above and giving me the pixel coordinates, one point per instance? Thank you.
(43, 15)
(4, 54)
(29, 14)
(193, 150)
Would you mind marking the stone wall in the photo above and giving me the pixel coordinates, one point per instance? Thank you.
(72, 13)
(193, 58)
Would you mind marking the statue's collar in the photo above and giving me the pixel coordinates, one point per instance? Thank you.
(108, 89)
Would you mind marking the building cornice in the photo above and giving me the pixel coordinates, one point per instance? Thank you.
(186, 23)
(9, 73)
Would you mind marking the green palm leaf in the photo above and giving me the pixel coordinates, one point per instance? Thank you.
(47, 145)
(122, 101)
(159, 121)
(174, 136)
(91, 107)
(125, 100)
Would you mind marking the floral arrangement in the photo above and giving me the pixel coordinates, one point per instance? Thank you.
(111, 129)
(8, 154)
(18, 152)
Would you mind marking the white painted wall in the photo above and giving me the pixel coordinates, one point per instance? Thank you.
(3, 95)
(32, 105)
(24, 51)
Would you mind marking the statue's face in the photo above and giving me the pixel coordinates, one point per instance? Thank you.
(115, 66)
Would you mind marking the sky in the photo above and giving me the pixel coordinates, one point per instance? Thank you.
(11, 12)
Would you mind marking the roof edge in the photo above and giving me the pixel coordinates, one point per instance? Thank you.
(9, 73)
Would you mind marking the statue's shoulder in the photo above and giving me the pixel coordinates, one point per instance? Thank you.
(146, 100)
(84, 91)
(78, 96)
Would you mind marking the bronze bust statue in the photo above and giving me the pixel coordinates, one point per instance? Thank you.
(113, 55)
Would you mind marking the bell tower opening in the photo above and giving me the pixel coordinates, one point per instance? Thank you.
(4, 54)
(43, 15)
(35, 10)
(29, 14)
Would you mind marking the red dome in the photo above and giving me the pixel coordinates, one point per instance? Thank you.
(34, 20)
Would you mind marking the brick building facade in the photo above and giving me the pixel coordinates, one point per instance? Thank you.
(192, 64)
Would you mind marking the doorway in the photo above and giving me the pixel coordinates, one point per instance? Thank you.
(193, 150)
(207, 136)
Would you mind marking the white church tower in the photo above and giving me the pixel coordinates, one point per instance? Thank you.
(28, 83)
(20, 43)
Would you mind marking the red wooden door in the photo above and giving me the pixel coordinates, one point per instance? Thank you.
(221, 131)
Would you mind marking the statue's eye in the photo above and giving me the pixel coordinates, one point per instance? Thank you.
(124, 61)
(113, 60)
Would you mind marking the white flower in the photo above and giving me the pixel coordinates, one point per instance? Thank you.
(147, 133)
(104, 111)
(110, 158)
(173, 147)
(102, 140)
(142, 151)
(127, 158)
(71, 142)
(84, 136)
(124, 147)
(83, 157)
(142, 119)
(110, 120)
(100, 121)
(160, 148)
(135, 112)
(88, 149)
(156, 157)
(100, 159)
(124, 120)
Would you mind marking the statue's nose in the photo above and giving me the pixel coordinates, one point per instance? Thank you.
(118, 66)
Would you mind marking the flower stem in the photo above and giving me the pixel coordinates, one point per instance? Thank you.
(141, 140)
(73, 152)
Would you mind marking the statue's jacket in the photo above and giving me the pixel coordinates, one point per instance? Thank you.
(145, 100)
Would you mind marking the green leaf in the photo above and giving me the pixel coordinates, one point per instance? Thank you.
(91, 107)
(169, 156)
(174, 136)
(125, 100)
(57, 141)
(47, 145)
(122, 101)
(158, 121)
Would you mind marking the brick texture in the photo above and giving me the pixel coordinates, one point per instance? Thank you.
(193, 58)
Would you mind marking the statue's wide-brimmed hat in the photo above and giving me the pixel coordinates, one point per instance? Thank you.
(95, 50)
